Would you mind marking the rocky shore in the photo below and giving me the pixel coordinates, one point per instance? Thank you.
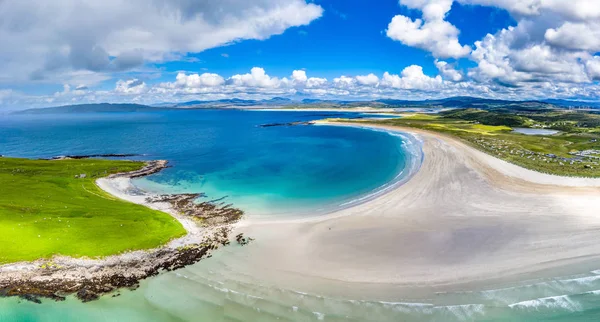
(208, 224)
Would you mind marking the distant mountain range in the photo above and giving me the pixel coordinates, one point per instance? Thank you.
(89, 108)
(452, 102)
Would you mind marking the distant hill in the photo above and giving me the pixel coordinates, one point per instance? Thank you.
(567, 103)
(90, 108)
(451, 102)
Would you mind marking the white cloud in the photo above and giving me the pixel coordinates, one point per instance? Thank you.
(130, 87)
(569, 9)
(256, 78)
(447, 71)
(65, 36)
(550, 52)
(197, 81)
(593, 68)
(299, 76)
(370, 79)
(412, 77)
(552, 43)
(411, 83)
(573, 9)
(576, 36)
(432, 33)
(344, 81)
(316, 82)
(519, 7)
(71, 91)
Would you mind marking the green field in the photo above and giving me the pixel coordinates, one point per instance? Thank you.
(561, 154)
(45, 210)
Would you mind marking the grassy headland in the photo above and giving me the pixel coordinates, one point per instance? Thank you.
(575, 151)
(48, 208)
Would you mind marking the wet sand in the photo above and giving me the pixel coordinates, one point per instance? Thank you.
(466, 218)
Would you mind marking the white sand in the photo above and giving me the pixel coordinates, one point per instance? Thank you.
(465, 217)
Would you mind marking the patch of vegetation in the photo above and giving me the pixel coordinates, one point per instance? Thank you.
(487, 117)
(574, 152)
(573, 119)
(54, 207)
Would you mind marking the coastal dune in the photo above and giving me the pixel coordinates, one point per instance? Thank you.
(464, 220)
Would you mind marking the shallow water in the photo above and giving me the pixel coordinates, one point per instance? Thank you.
(275, 171)
(214, 291)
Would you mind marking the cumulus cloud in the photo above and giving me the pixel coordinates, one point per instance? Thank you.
(196, 81)
(315, 82)
(432, 33)
(64, 36)
(299, 76)
(550, 52)
(552, 43)
(516, 7)
(576, 36)
(256, 81)
(370, 79)
(301, 80)
(344, 81)
(131, 86)
(410, 83)
(570, 10)
(448, 72)
(593, 68)
(412, 77)
(256, 78)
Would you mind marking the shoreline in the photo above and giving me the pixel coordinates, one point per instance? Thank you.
(501, 166)
(207, 225)
(464, 220)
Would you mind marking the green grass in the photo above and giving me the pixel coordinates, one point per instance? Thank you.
(45, 210)
(528, 151)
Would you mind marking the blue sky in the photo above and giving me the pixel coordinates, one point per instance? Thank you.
(349, 39)
(178, 50)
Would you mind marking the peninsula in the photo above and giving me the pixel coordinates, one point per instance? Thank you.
(63, 234)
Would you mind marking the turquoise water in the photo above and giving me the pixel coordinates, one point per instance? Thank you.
(276, 171)
(225, 154)
(213, 291)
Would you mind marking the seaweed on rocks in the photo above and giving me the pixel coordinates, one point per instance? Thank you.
(208, 213)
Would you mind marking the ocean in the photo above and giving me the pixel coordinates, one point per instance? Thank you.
(225, 154)
(267, 171)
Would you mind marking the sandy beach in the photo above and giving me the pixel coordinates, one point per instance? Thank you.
(462, 220)
(465, 218)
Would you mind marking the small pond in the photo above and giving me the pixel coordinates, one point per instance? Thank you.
(528, 131)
